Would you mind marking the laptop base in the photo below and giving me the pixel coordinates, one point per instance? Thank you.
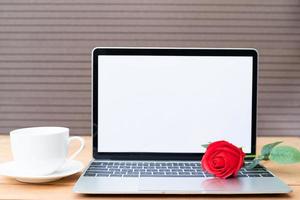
(179, 185)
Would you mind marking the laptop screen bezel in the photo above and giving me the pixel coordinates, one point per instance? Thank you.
(165, 52)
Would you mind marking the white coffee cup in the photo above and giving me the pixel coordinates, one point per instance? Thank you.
(41, 150)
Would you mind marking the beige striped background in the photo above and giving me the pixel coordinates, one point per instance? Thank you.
(45, 52)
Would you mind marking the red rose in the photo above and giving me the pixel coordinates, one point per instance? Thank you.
(223, 159)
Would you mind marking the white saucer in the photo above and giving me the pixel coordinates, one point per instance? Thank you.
(71, 167)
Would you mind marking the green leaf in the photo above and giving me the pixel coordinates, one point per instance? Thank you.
(266, 150)
(253, 163)
(205, 145)
(285, 155)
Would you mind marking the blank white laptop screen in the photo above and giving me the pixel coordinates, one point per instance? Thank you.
(173, 104)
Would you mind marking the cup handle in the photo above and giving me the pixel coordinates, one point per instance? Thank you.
(80, 139)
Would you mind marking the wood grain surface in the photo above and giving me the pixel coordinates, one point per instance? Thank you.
(62, 189)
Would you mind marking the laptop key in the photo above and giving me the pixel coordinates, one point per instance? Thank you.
(161, 173)
(209, 175)
(132, 172)
(96, 164)
(266, 175)
(158, 175)
(98, 171)
(176, 170)
(152, 170)
(116, 175)
(170, 172)
(172, 175)
(184, 173)
(166, 170)
(189, 170)
(198, 175)
(89, 174)
(131, 175)
(161, 167)
(97, 168)
(254, 175)
(103, 175)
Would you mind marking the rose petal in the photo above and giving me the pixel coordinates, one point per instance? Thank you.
(228, 168)
(218, 162)
(206, 159)
(235, 152)
(223, 159)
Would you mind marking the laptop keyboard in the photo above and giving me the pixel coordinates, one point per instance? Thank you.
(160, 169)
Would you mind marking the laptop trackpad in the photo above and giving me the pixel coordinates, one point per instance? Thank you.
(182, 185)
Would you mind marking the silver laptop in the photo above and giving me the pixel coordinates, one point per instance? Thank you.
(153, 108)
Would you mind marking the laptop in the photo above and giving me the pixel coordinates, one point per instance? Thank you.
(153, 108)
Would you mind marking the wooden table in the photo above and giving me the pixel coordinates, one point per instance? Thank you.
(62, 189)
